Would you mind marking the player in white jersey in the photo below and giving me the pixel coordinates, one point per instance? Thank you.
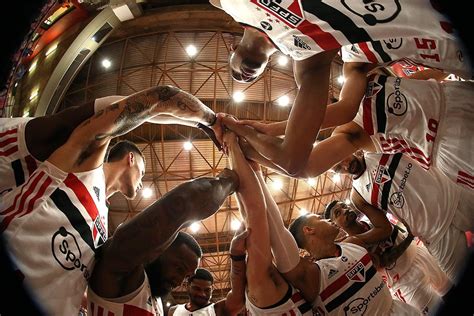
(267, 291)
(25, 142)
(255, 204)
(63, 202)
(199, 288)
(423, 119)
(147, 256)
(410, 272)
(312, 32)
(437, 211)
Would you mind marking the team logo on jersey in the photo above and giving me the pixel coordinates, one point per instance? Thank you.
(397, 199)
(357, 273)
(344, 259)
(266, 26)
(374, 11)
(393, 43)
(300, 43)
(367, 187)
(397, 103)
(67, 252)
(359, 305)
(381, 175)
(372, 89)
(288, 11)
(332, 272)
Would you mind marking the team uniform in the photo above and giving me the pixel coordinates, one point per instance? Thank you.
(16, 163)
(292, 304)
(415, 277)
(423, 119)
(304, 28)
(61, 218)
(139, 302)
(437, 211)
(350, 284)
(181, 310)
(429, 51)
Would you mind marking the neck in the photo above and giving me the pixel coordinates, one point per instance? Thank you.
(355, 229)
(325, 250)
(111, 178)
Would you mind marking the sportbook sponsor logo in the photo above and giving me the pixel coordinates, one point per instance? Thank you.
(288, 11)
(374, 12)
(397, 103)
(359, 305)
(397, 199)
(67, 252)
(393, 43)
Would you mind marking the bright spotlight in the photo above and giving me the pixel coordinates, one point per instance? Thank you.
(238, 96)
(106, 63)
(336, 177)
(235, 224)
(187, 145)
(147, 193)
(194, 227)
(311, 181)
(282, 60)
(191, 50)
(303, 211)
(284, 100)
(341, 79)
(277, 185)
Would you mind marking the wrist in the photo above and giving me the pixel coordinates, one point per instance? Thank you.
(213, 120)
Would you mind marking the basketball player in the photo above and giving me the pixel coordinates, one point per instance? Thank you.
(61, 212)
(423, 119)
(25, 142)
(437, 211)
(143, 261)
(199, 287)
(408, 269)
(312, 32)
(266, 287)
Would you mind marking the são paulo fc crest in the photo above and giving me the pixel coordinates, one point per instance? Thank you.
(372, 89)
(374, 11)
(381, 175)
(357, 273)
(288, 11)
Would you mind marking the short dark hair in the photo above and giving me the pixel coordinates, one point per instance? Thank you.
(120, 149)
(201, 274)
(296, 229)
(329, 207)
(186, 239)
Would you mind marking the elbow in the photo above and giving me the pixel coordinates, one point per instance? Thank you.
(294, 168)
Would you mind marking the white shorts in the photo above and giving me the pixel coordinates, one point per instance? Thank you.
(454, 149)
(423, 284)
(399, 308)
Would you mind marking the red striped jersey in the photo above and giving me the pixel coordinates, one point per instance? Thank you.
(303, 28)
(208, 310)
(440, 53)
(16, 163)
(402, 116)
(426, 200)
(53, 225)
(350, 285)
(296, 305)
(137, 303)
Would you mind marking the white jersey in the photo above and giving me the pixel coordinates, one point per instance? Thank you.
(138, 303)
(441, 53)
(181, 310)
(303, 28)
(296, 305)
(426, 200)
(53, 224)
(350, 284)
(402, 116)
(16, 163)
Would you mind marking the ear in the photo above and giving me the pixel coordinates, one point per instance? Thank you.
(131, 159)
(308, 230)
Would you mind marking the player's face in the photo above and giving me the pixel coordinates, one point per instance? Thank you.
(351, 165)
(200, 292)
(343, 215)
(324, 228)
(136, 173)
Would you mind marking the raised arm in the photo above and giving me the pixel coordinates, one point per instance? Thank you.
(86, 147)
(390, 256)
(146, 235)
(306, 117)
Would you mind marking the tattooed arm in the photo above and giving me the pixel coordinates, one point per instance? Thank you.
(87, 145)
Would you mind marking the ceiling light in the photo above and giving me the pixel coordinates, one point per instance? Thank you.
(277, 185)
(238, 96)
(33, 66)
(194, 227)
(347, 201)
(311, 181)
(235, 224)
(341, 79)
(106, 63)
(283, 100)
(168, 304)
(147, 193)
(336, 177)
(51, 49)
(187, 145)
(191, 50)
(34, 94)
(282, 60)
(303, 211)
